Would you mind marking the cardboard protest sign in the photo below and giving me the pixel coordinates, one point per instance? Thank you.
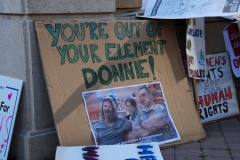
(116, 118)
(104, 152)
(195, 49)
(232, 43)
(216, 95)
(82, 56)
(10, 90)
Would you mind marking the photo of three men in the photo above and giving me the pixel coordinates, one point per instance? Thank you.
(130, 114)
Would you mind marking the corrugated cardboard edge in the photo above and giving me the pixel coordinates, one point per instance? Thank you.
(42, 50)
(198, 132)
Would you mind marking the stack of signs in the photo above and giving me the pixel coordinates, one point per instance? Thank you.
(195, 47)
(104, 152)
(216, 95)
(232, 43)
(10, 90)
(93, 61)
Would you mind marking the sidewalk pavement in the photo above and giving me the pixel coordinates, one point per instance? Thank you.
(222, 143)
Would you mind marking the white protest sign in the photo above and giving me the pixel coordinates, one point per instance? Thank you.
(216, 95)
(195, 49)
(144, 4)
(168, 9)
(232, 43)
(10, 90)
(110, 152)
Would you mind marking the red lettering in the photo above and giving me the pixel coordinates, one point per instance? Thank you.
(228, 93)
(216, 61)
(221, 96)
(200, 102)
(214, 97)
(207, 62)
(236, 62)
(210, 62)
(224, 60)
(207, 99)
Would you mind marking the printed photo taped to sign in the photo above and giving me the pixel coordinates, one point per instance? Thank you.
(130, 114)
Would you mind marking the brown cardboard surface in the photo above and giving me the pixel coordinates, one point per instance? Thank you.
(128, 3)
(65, 82)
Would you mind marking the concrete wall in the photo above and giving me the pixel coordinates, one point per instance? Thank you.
(34, 136)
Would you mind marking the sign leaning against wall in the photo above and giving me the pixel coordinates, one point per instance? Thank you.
(216, 95)
(10, 90)
(83, 56)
